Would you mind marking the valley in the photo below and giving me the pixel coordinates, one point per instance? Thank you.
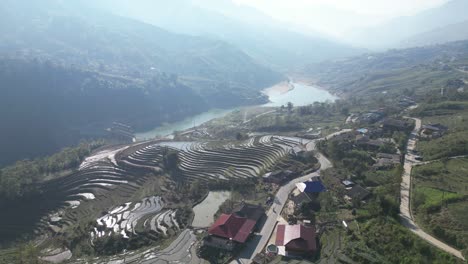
(233, 132)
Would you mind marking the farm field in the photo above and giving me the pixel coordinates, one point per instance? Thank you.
(440, 200)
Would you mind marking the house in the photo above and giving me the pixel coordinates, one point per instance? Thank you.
(406, 101)
(232, 230)
(347, 136)
(433, 130)
(372, 116)
(362, 131)
(252, 212)
(391, 124)
(385, 160)
(122, 132)
(295, 240)
(300, 198)
(311, 187)
(277, 177)
(367, 143)
(358, 193)
(347, 183)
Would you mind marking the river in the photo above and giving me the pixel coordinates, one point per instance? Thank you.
(301, 95)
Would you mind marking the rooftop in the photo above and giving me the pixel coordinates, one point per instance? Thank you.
(232, 227)
(311, 186)
(296, 238)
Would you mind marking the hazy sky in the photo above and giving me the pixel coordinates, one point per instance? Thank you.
(337, 16)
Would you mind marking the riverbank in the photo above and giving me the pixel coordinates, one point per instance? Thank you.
(298, 93)
(280, 88)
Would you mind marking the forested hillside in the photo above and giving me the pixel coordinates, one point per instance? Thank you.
(452, 32)
(399, 29)
(68, 71)
(44, 106)
(257, 34)
(396, 72)
(71, 33)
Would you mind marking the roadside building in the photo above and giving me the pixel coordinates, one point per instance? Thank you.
(433, 130)
(347, 136)
(391, 124)
(296, 240)
(299, 199)
(232, 230)
(277, 177)
(311, 187)
(385, 161)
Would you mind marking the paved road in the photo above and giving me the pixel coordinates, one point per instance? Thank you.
(259, 241)
(405, 205)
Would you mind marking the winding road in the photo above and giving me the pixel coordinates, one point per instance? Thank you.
(260, 240)
(405, 199)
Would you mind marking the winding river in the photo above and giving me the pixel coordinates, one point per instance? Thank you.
(299, 95)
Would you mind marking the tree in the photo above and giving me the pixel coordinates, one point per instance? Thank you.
(27, 254)
(240, 136)
(290, 106)
(344, 111)
(197, 189)
(170, 159)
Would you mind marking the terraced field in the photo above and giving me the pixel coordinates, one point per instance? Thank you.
(107, 188)
(130, 218)
(214, 160)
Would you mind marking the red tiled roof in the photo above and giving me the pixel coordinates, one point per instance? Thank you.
(232, 227)
(296, 237)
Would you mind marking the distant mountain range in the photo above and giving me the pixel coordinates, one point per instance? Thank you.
(449, 33)
(68, 32)
(68, 71)
(257, 34)
(420, 29)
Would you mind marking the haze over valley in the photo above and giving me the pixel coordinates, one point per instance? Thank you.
(233, 131)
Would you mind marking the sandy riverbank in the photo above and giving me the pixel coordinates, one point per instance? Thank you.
(278, 89)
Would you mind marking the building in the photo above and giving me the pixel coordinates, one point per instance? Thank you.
(121, 132)
(232, 230)
(358, 193)
(391, 124)
(311, 187)
(277, 177)
(385, 160)
(433, 130)
(347, 183)
(295, 240)
(367, 143)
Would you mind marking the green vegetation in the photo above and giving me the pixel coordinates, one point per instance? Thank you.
(448, 175)
(23, 178)
(439, 198)
(389, 75)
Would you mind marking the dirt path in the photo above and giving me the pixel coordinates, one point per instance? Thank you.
(405, 199)
(431, 161)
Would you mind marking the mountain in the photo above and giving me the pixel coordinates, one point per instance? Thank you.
(67, 72)
(255, 33)
(71, 33)
(46, 106)
(397, 30)
(395, 73)
(449, 33)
